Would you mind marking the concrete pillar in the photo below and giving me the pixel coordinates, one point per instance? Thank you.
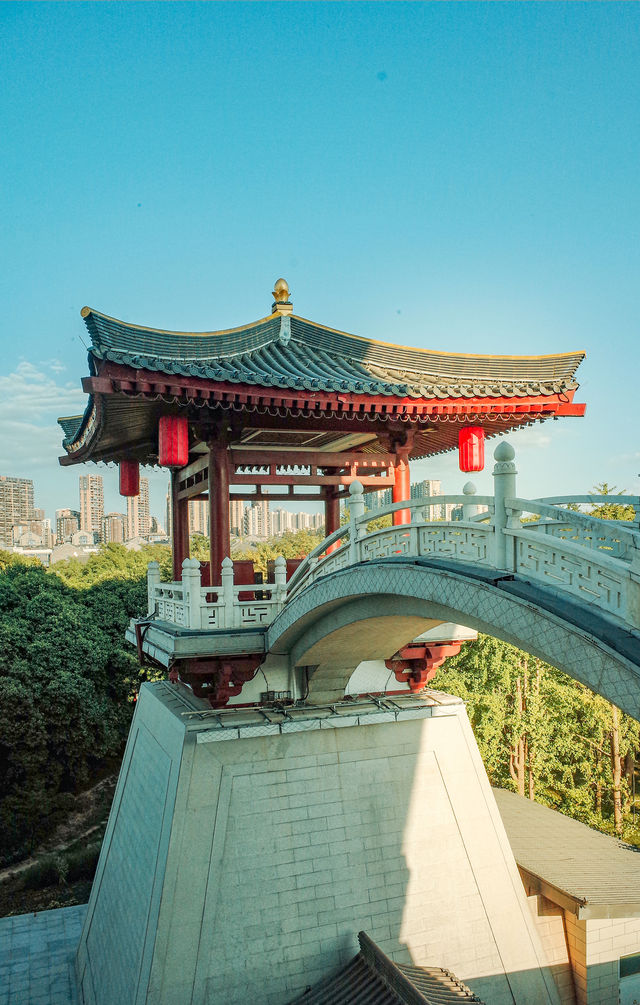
(219, 529)
(504, 481)
(280, 579)
(153, 580)
(401, 489)
(191, 582)
(227, 593)
(356, 512)
(469, 510)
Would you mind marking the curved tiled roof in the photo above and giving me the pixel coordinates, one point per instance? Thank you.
(293, 353)
(372, 978)
(70, 425)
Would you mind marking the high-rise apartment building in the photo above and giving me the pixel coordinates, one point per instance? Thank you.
(376, 500)
(138, 516)
(199, 517)
(16, 505)
(256, 519)
(67, 523)
(113, 528)
(427, 489)
(281, 520)
(169, 513)
(236, 517)
(91, 504)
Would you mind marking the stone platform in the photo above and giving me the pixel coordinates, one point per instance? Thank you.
(246, 848)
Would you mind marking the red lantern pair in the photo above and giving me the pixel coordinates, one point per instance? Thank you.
(471, 448)
(129, 478)
(173, 441)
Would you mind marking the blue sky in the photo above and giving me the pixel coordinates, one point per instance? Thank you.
(453, 176)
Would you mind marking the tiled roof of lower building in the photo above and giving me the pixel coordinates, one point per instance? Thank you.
(371, 978)
(600, 873)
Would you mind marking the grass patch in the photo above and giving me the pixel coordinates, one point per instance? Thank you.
(62, 868)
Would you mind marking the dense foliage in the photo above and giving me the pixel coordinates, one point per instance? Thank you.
(546, 736)
(68, 681)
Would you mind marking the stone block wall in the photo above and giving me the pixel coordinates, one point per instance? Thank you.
(584, 954)
(550, 923)
(240, 863)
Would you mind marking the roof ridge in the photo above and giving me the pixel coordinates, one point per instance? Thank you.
(87, 312)
(439, 352)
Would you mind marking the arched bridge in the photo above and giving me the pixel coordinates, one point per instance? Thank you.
(553, 581)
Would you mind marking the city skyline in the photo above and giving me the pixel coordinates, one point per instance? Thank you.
(24, 526)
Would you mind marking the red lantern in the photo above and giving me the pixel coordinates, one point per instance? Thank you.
(129, 478)
(471, 448)
(173, 441)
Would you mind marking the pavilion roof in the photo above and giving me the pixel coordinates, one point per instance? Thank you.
(301, 385)
(289, 352)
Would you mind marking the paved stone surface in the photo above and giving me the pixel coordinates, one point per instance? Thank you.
(37, 957)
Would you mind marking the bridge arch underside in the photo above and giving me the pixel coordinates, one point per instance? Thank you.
(369, 611)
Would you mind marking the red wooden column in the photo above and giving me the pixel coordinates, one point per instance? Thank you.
(401, 490)
(219, 529)
(331, 517)
(180, 525)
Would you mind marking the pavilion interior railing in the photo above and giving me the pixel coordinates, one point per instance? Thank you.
(540, 540)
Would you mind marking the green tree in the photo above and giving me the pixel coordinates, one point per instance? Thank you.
(610, 510)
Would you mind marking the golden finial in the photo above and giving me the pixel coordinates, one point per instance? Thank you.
(281, 297)
(281, 291)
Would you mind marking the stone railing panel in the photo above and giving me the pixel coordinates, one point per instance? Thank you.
(457, 541)
(593, 577)
(392, 541)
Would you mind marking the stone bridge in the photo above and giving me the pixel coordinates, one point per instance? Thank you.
(553, 581)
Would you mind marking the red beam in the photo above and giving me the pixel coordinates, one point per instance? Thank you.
(317, 403)
(305, 458)
(295, 479)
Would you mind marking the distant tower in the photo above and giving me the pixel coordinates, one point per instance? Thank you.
(169, 514)
(113, 528)
(138, 516)
(67, 523)
(256, 519)
(236, 517)
(198, 517)
(91, 504)
(427, 489)
(16, 505)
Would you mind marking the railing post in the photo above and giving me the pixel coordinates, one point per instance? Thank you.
(191, 584)
(468, 509)
(280, 579)
(228, 616)
(153, 580)
(356, 512)
(504, 482)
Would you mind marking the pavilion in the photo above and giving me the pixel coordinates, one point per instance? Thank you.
(285, 408)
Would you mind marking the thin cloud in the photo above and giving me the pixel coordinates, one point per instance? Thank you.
(33, 394)
(30, 402)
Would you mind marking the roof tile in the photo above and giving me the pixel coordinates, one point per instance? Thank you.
(320, 358)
